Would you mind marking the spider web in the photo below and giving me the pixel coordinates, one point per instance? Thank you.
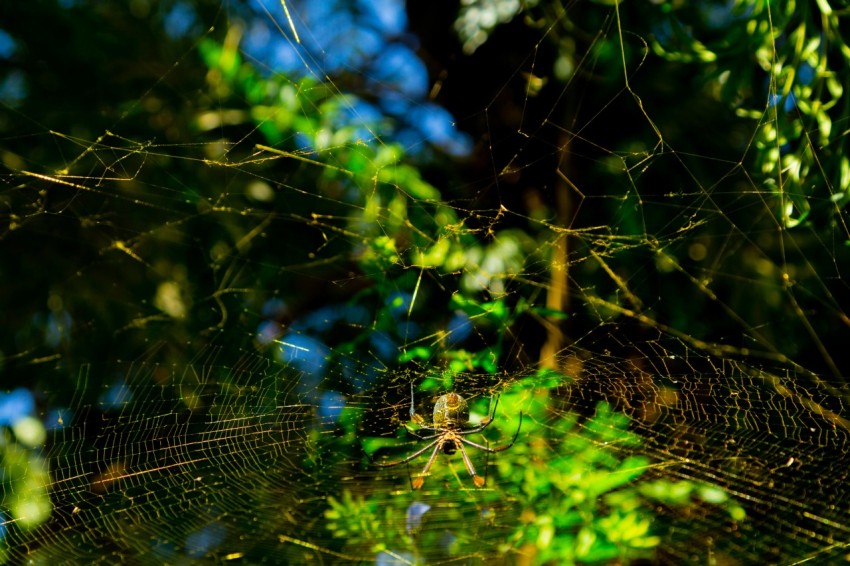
(237, 305)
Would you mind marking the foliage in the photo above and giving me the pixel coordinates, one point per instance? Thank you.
(595, 502)
(763, 83)
(423, 270)
(25, 476)
(792, 57)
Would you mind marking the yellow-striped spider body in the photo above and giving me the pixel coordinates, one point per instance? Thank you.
(451, 414)
(450, 410)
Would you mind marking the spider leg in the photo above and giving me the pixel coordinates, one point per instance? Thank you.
(420, 437)
(491, 415)
(476, 479)
(413, 416)
(417, 482)
(479, 446)
(476, 428)
(493, 412)
(498, 449)
(409, 458)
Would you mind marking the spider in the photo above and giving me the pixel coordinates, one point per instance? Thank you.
(451, 413)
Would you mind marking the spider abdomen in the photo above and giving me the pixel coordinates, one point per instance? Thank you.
(450, 411)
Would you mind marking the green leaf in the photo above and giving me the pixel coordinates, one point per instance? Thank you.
(550, 313)
(420, 352)
(407, 179)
